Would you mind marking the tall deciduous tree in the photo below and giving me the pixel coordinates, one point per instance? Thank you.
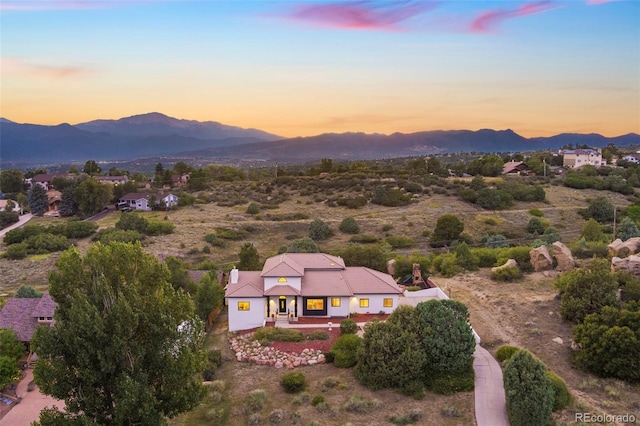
(91, 196)
(528, 391)
(209, 296)
(125, 347)
(11, 181)
(91, 168)
(37, 199)
(448, 228)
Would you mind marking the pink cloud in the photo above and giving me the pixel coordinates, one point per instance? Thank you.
(595, 2)
(35, 5)
(361, 15)
(488, 20)
(21, 67)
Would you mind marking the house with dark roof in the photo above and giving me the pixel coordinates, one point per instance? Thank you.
(515, 168)
(144, 201)
(45, 179)
(293, 285)
(23, 315)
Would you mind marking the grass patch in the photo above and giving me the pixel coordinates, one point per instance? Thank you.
(38, 257)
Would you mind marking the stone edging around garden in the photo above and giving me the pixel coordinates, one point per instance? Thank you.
(248, 350)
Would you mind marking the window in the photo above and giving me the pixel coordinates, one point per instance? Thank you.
(315, 304)
(243, 306)
(364, 303)
(387, 303)
(335, 302)
(282, 280)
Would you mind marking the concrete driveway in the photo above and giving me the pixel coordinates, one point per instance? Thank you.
(491, 406)
(21, 221)
(28, 409)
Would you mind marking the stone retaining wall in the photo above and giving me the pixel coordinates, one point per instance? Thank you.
(248, 350)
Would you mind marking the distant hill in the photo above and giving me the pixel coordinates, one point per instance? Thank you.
(139, 136)
(353, 146)
(158, 135)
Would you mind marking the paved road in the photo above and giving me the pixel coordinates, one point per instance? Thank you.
(491, 409)
(28, 410)
(21, 221)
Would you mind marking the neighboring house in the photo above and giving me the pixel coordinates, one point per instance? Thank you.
(180, 180)
(54, 199)
(44, 180)
(5, 203)
(137, 201)
(24, 315)
(576, 158)
(112, 180)
(515, 168)
(306, 285)
(167, 201)
(632, 158)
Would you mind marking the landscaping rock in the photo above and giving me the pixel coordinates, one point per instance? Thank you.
(558, 340)
(541, 259)
(563, 256)
(511, 263)
(621, 248)
(248, 350)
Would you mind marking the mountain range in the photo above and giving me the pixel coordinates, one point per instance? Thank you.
(157, 135)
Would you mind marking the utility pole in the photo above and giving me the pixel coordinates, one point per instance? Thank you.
(614, 222)
(544, 167)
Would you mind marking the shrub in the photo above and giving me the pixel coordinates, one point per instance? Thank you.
(46, 243)
(348, 326)
(521, 255)
(8, 218)
(80, 229)
(349, 226)
(400, 242)
(505, 352)
(231, 234)
(506, 274)
(132, 222)
(317, 400)
(278, 334)
(107, 236)
(27, 292)
(536, 212)
(317, 335)
(360, 404)
(412, 417)
(448, 383)
(293, 382)
(535, 226)
(495, 241)
(255, 400)
(364, 239)
(486, 257)
(319, 230)
(561, 395)
(448, 228)
(16, 251)
(215, 241)
(253, 208)
(159, 228)
(276, 416)
(345, 350)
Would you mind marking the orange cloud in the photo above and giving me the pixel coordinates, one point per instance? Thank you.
(22, 67)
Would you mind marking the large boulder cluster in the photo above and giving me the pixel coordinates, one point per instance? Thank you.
(248, 350)
(541, 259)
(624, 257)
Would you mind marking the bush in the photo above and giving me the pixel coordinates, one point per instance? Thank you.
(506, 274)
(276, 416)
(345, 350)
(364, 239)
(452, 382)
(27, 292)
(506, 352)
(132, 222)
(448, 228)
(80, 229)
(215, 241)
(317, 335)
(400, 242)
(561, 395)
(495, 241)
(360, 404)
(535, 226)
(159, 228)
(486, 257)
(231, 234)
(348, 326)
(8, 218)
(293, 382)
(253, 208)
(536, 212)
(107, 236)
(317, 400)
(412, 417)
(255, 401)
(46, 243)
(319, 230)
(16, 251)
(349, 226)
(278, 334)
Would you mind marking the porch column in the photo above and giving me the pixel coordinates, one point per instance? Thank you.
(268, 308)
(295, 304)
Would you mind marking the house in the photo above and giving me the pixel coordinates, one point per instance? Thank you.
(45, 179)
(306, 285)
(4, 204)
(112, 180)
(167, 201)
(54, 198)
(23, 315)
(575, 158)
(632, 158)
(515, 168)
(180, 180)
(136, 200)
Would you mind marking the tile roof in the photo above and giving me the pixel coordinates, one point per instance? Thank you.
(282, 290)
(295, 264)
(249, 285)
(21, 314)
(136, 196)
(369, 281)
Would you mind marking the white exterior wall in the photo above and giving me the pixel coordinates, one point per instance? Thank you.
(375, 303)
(142, 204)
(170, 200)
(293, 282)
(339, 311)
(243, 320)
(274, 305)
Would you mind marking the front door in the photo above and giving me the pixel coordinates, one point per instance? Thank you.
(283, 306)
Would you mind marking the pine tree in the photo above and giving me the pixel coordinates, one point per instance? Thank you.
(37, 199)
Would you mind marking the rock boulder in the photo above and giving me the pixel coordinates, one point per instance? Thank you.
(540, 259)
(511, 263)
(563, 256)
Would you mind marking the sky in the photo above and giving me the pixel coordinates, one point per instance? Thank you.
(301, 68)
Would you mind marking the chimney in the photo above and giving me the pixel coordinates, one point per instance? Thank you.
(233, 276)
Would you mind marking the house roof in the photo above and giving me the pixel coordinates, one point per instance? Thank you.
(295, 264)
(249, 285)
(282, 290)
(581, 152)
(21, 314)
(368, 281)
(134, 196)
(47, 177)
(513, 166)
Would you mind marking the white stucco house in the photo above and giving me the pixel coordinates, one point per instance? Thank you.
(144, 202)
(168, 200)
(306, 285)
(576, 158)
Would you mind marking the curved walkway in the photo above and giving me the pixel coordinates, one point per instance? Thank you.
(21, 221)
(491, 406)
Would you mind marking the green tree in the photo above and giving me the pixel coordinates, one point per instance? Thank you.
(465, 258)
(528, 391)
(11, 181)
(478, 183)
(10, 346)
(326, 165)
(91, 196)
(448, 228)
(587, 290)
(179, 275)
(249, 258)
(600, 209)
(209, 296)
(91, 168)
(38, 201)
(132, 222)
(68, 205)
(9, 371)
(304, 245)
(369, 255)
(447, 336)
(199, 180)
(592, 231)
(181, 168)
(435, 167)
(27, 292)
(349, 225)
(609, 342)
(535, 226)
(319, 230)
(125, 347)
(627, 229)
